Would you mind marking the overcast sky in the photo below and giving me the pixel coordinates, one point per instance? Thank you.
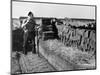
(52, 10)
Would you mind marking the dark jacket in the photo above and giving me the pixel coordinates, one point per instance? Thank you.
(31, 25)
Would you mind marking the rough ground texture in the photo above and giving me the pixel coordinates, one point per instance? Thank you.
(34, 63)
(31, 63)
(15, 66)
(53, 56)
(66, 58)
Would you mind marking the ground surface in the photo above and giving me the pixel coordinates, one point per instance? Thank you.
(32, 63)
(53, 56)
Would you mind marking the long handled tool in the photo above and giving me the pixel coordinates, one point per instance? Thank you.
(37, 38)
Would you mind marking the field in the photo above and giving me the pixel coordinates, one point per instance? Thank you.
(74, 50)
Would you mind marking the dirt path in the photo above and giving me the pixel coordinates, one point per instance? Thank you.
(33, 63)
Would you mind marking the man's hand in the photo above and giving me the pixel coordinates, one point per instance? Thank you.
(38, 26)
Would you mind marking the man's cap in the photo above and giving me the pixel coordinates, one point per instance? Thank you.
(30, 13)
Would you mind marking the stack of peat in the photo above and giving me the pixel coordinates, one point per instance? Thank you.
(49, 30)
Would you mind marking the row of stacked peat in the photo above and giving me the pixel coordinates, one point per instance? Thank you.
(83, 39)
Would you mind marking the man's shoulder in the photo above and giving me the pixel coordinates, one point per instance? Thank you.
(32, 19)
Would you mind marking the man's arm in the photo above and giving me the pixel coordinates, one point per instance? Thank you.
(24, 23)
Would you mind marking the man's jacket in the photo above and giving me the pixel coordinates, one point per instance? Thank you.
(30, 26)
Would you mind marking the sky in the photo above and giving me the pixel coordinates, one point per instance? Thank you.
(52, 10)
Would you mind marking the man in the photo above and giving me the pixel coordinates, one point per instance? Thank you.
(53, 22)
(29, 34)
